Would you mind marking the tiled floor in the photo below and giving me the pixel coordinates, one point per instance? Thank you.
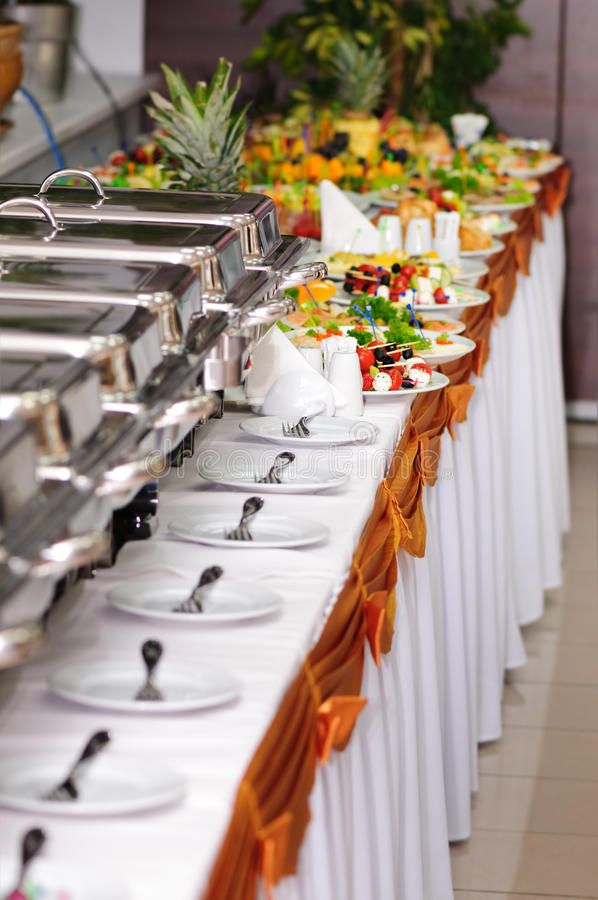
(536, 815)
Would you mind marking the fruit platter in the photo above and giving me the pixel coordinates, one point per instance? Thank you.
(518, 158)
(377, 323)
(425, 282)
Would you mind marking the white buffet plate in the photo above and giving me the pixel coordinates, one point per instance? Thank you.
(49, 879)
(325, 431)
(109, 787)
(292, 481)
(112, 684)
(495, 247)
(223, 601)
(266, 530)
(436, 383)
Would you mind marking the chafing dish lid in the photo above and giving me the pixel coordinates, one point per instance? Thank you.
(214, 252)
(244, 211)
(97, 275)
(103, 281)
(116, 325)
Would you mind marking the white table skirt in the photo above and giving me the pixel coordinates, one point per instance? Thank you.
(384, 809)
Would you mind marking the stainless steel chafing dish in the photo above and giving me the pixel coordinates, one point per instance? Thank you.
(170, 293)
(76, 440)
(123, 344)
(252, 215)
(45, 529)
(245, 298)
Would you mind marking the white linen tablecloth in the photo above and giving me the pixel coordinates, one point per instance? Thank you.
(384, 809)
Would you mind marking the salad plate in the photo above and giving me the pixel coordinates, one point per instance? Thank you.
(466, 297)
(109, 787)
(436, 325)
(436, 383)
(325, 431)
(440, 354)
(291, 480)
(495, 247)
(467, 270)
(266, 531)
(112, 684)
(49, 879)
(224, 601)
(501, 207)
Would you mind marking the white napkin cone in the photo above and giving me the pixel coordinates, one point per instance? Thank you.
(344, 227)
(275, 359)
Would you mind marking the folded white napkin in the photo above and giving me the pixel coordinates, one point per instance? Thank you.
(275, 359)
(344, 227)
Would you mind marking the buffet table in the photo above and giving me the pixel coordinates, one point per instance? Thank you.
(441, 545)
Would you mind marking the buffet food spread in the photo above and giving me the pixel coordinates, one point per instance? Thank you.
(300, 609)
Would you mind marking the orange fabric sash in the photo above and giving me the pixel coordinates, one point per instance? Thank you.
(321, 706)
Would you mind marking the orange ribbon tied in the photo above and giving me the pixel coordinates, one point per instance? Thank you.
(459, 396)
(335, 723)
(272, 844)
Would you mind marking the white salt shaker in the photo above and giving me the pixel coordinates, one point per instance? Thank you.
(344, 374)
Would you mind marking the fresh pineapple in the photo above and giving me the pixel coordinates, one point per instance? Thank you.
(361, 74)
(201, 134)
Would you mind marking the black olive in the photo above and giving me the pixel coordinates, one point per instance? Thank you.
(385, 280)
(396, 268)
(402, 155)
(407, 383)
(341, 140)
(348, 287)
(388, 360)
(380, 353)
(408, 353)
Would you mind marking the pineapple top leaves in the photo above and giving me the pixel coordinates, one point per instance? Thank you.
(360, 74)
(203, 136)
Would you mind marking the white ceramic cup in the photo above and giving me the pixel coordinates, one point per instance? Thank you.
(468, 128)
(419, 237)
(344, 374)
(391, 237)
(313, 356)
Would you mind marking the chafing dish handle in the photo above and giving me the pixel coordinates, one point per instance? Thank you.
(189, 409)
(134, 473)
(72, 173)
(299, 275)
(34, 203)
(268, 313)
(70, 553)
(18, 643)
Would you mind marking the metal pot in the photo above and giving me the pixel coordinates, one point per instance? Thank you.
(48, 31)
(11, 62)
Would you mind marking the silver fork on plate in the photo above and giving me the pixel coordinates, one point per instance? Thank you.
(241, 533)
(193, 602)
(32, 843)
(67, 789)
(299, 429)
(151, 652)
(280, 462)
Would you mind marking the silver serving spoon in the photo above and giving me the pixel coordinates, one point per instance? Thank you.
(67, 789)
(280, 462)
(193, 602)
(33, 841)
(250, 508)
(151, 651)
